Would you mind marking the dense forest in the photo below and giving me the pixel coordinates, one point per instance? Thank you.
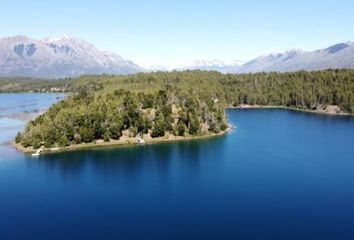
(89, 115)
(188, 102)
(303, 89)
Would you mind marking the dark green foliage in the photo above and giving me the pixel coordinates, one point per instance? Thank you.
(63, 141)
(35, 143)
(161, 98)
(147, 100)
(194, 124)
(26, 140)
(93, 114)
(107, 136)
(87, 134)
(115, 128)
(159, 127)
(143, 125)
(180, 128)
(48, 143)
(18, 137)
(302, 89)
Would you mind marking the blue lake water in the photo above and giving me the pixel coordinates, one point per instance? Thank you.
(279, 175)
(16, 109)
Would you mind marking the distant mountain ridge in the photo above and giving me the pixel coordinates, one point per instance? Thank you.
(337, 56)
(58, 58)
(213, 65)
(70, 57)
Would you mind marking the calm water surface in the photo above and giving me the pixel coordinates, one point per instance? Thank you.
(279, 175)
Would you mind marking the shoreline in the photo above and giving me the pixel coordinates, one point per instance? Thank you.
(322, 112)
(118, 143)
(132, 141)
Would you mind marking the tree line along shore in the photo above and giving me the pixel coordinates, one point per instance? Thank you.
(121, 115)
(184, 104)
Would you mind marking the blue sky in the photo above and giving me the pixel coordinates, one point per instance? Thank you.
(163, 32)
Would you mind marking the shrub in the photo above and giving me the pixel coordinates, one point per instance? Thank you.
(180, 128)
(35, 143)
(48, 143)
(63, 141)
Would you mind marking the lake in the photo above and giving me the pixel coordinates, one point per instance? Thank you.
(280, 175)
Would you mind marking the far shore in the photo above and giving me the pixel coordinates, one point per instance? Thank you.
(330, 110)
(131, 141)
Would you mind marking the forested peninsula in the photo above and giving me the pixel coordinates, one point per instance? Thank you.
(174, 105)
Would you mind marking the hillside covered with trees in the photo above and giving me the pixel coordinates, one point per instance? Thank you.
(303, 90)
(179, 103)
(89, 116)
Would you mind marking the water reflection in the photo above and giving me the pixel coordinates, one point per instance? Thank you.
(278, 169)
(162, 161)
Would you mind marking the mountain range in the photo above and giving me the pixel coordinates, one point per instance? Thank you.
(337, 56)
(69, 57)
(58, 58)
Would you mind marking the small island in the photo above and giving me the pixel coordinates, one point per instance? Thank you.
(94, 118)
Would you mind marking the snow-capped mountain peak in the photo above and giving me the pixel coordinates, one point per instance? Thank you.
(213, 65)
(215, 62)
(58, 57)
(56, 39)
